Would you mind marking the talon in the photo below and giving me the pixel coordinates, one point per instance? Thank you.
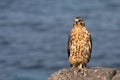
(81, 68)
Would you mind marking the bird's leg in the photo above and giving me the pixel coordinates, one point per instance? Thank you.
(82, 67)
(73, 66)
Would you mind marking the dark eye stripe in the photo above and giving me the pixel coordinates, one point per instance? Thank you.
(79, 20)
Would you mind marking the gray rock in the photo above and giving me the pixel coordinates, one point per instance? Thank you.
(94, 73)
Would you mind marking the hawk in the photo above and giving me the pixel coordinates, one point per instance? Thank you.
(79, 45)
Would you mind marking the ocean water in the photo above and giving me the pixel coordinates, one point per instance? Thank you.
(34, 33)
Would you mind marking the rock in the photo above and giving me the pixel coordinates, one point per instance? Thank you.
(94, 73)
(117, 76)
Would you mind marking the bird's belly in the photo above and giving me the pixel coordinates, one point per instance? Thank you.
(78, 52)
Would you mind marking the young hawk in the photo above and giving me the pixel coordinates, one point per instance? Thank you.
(79, 45)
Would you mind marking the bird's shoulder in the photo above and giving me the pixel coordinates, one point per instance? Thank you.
(86, 30)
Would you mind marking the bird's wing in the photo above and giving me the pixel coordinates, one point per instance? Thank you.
(90, 48)
(68, 42)
(90, 44)
(68, 48)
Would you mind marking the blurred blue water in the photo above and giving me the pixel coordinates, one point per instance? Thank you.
(33, 35)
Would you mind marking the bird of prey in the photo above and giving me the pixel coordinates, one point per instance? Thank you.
(79, 45)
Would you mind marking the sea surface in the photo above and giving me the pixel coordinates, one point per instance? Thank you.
(34, 33)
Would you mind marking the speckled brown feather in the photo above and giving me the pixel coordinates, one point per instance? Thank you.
(79, 46)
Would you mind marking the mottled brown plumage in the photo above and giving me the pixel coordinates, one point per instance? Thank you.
(79, 45)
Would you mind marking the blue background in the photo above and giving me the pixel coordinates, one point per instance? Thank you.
(34, 33)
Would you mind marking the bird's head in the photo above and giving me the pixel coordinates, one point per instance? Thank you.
(78, 21)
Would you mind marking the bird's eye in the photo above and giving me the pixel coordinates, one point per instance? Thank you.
(82, 23)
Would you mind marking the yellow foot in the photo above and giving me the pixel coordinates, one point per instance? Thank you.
(81, 68)
(84, 69)
(73, 66)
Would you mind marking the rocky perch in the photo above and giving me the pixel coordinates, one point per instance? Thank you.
(94, 73)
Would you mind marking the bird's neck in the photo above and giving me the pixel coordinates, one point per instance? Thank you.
(78, 26)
